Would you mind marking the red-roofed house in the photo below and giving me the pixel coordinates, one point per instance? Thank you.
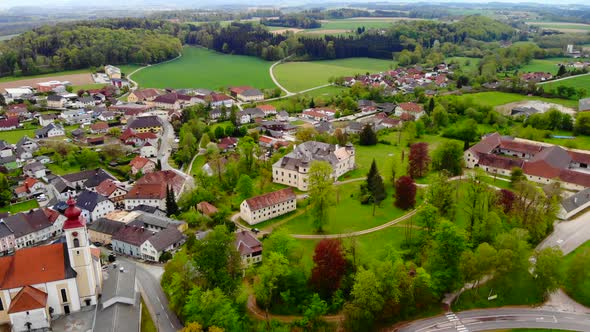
(141, 164)
(249, 247)
(8, 124)
(99, 127)
(264, 207)
(207, 208)
(151, 189)
(267, 109)
(412, 109)
(142, 95)
(112, 190)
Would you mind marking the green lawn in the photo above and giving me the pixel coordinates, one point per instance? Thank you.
(20, 207)
(298, 76)
(579, 82)
(562, 25)
(495, 98)
(13, 136)
(197, 164)
(350, 24)
(347, 215)
(468, 65)
(60, 73)
(202, 68)
(581, 293)
(544, 65)
(147, 324)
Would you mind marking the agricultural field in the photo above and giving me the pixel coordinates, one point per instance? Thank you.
(495, 98)
(298, 76)
(563, 26)
(468, 65)
(550, 65)
(578, 82)
(202, 68)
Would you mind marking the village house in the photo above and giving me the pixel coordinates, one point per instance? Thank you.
(7, 241)
(227, 143)
(5, 149)
(115, 191)
(80, 116)
(51, 130)
(142, 95)
(249, 247)
(131, 137)
(292, 170)
(94, 205)
(151, 189)
(167, 240)
(267, 109)
(45, 119)
(282, 116)
(112, 72)
(412, 109)
(319, 114)
(19, 112)
(246, 93)
(99, 128)
(541, 162)
(219, 100)
(268, 206)
(88, 179)
(167, 101)
(206, 209)
(30, 228)
(536, 77)
(141, 164)
(143, 124)
(86, 101)
(56, 101)
(103, 229)
(106, 116)
(8, 124)
(35, 170)
(29, 187)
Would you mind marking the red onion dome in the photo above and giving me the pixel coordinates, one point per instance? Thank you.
(73, 214)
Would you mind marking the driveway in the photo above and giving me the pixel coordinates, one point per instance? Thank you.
(568, 235)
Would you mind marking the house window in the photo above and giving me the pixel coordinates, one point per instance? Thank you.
(1, 305)
(76, 243)
(64, 295)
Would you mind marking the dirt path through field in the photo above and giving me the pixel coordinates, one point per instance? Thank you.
(75, 79)
(294, 30)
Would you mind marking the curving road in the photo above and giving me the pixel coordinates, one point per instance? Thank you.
(275, 81)
(503, 318)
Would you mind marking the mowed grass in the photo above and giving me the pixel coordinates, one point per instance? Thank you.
(578, 82)
(495, 98)
(202, 68)
(562, 25)
(581, 293)
(353, 24)
(147, 324)
(298, 76)
(347, 214)
(20, 207)
(468, 65)
(550, 65)
(13, 136)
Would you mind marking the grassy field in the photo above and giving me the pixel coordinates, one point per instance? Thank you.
(582, 294)
(563, 26)
(579, 82)
(468, 65)
(66, 72)
(13, 136)
(353, 23)
(202, 68)
(495, 98)
(347, 215)
(298, 76)
(20, 207)
(544, 65)
(75, 88)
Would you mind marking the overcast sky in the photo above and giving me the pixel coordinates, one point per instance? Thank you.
(200, 3)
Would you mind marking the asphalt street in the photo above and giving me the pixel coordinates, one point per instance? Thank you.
(503, 318)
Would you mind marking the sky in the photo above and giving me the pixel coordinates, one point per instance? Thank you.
(200, 3)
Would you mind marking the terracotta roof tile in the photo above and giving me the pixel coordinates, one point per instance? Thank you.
(28, 298)
(270, 199)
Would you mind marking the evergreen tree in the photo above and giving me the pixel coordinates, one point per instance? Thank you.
(311, 103)
(171, 206)
(562, 71)
(375, 186)
(367, 136)
(430, 107)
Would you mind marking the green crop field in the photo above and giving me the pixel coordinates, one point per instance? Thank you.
(202, 68)
(298, 76)
(578, 82)
(562, 25)
(500, 98)
(544, 65)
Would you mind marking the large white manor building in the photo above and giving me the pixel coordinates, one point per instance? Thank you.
(292, 170)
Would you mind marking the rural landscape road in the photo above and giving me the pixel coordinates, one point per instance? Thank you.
(276, 82)
(562, 79)
(502, 318)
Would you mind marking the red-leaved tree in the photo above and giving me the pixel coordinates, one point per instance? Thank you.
(329, 267)
(405, 192)
(419, 160)
(506, 199)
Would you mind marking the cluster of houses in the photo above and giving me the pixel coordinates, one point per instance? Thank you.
(535, 77)
(404, 80)
(542, 163)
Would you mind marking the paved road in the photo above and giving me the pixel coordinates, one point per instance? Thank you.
(562, 79)
(164, 154)
(568, 235)
(155, 299)
(272, 76)
(504, 318)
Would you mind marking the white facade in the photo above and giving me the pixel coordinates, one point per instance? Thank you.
(131, 203)
(37, 318)
(253, 217)
(148, 151)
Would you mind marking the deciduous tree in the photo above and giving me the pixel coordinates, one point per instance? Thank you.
(448, 157)
(418, 160)
(245, 187)
(329, 267)
(548, 272)
(405, 193)
(321, 190)
(367, 136)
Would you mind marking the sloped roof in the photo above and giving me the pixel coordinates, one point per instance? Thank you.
(153, 185)
(139, 162)
(133, 235)
(145, 122)
(555, 156)
(88, 200)
(246, 243)
(28, 298)
(27, 222)
(165, 238)
(577, 200)
(106, 226)
(35, 265)
(270, 199)
(487, 144)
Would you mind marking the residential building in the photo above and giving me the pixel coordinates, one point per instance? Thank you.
(143, 124)
(151, 189)
(574, 204)
(142, 95)
(99, 127)
(219, 100)
(88, 179)
(103, 229)
(29, 186)
(415, 111)
(45, 119)
(207, 208)
(167, 101)
(141, 164)
(167, 240)
(267, 109)
(94, 205)
(128, 240)
(35, 170)
(292, 170)
(7, 240)
(282, 116)
(249, 247)
(79, 116)
(148, 150)
(5, 149)
(56, 101)
(30, 228)
(268, 206)
(319, 114)
(115, 191)
(51, 130)
(541, 162)
(131, 137)
(8, 124)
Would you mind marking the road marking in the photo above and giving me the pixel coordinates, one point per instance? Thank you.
(560, 241)
(456, 321)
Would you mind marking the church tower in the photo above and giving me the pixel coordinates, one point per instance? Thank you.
(80, 254)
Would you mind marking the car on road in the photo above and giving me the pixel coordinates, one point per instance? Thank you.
(255, 230)
(98, 244)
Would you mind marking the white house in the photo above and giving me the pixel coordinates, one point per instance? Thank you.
(94, 205)
(51, 130)
(264, 207)
(148, 150)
